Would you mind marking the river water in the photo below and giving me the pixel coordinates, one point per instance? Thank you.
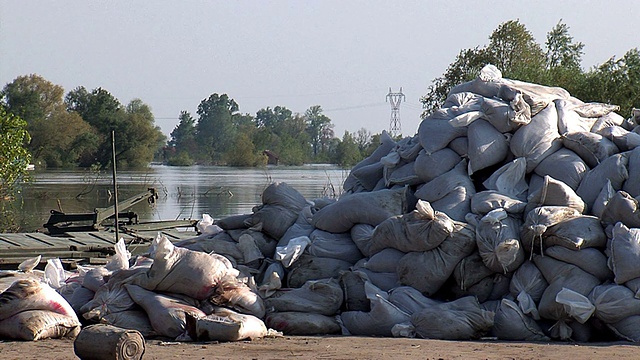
(184, 192)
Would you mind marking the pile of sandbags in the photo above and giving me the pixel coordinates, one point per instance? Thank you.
(512, 213)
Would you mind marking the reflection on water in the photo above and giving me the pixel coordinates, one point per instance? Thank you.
(184, 192)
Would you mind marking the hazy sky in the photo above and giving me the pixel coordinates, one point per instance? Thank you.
(342, 55)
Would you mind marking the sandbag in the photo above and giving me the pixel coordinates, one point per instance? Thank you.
(457, 203)
(235, 294)
(31, 294)
(355, 297)
(614, 169)
(510, 323)
(383, 280)
(111, 297)
(361, 235)
(527, 286)
(377, 322)
(614, 303)
(315, 296)
(421, 230)
(624, 256)
(367, 176)
(233, 222)
(568, 119)
(32, 325)
(310, 267)
(435, 132)
(592, 148)
(576, 233)
(608, 120)
(430, 166)
(538, 139)
(460, 146)
(509, 179)
(485, 201)
(220, 243)
(498, 240)
(625, 140)
(384, 147)
(441, 186)
(470, 271)
(487, 146)
(410, 300)
(384, 261)
(461, 319)
(554, 193)
(428, 270)
(591, 260)
(224, 325)
(565, 166)
(628, 328)
(336, 246)
(364, 208)
(131, 319)
(501, 115)
(403, 174)
(280, 207)
(621, 207)
(632, 185)
(539, 220)
(302, 323)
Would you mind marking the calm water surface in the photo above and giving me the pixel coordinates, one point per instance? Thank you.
(184, 192)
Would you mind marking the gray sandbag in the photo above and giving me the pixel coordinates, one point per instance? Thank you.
(498, 240)
(421, 230)
(225, 325)
(377, 322)
(608, 120)
(460, 146)
(591, 147)
(470, 271)
(33, 325)
(563, 165)
(385, 281)
(436, 133)
(450, 192)
(132, 320)
(302, 227)
(220, 243)
(233, 222)
(624, 256)
(488, 200)
(614, 169)
(510, 179)
(510, 323)
(256, 246)
(623, 208)
(410, 300)
(403, 174)
(487, 146)
(355, 297)
(111, 297)
(538, 139)
(539, 220)
(430, 166)
(336, 246)
(500, 114)
(409, 148)
(280, 207)
(457, 203)
(576, 233)
(601, 202)
(632, 185)
(625, 140)
(568, 119)
(427, 271)
(461, 319)
(384, 261)
(361, 235)
(561, 275)
(487, 84)
(536, 96)
(614, 303)
(595, 110)
(590, 260)
(363, 208)
(309, 267)
(492, 287)
(302, 323)
(384, 147)
(554, 193)
(628, 328)
(527, 286)
(270, 278)
(367, 176)
(315, 296)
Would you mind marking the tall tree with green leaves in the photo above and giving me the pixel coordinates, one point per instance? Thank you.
(215, 131)
(319, 128)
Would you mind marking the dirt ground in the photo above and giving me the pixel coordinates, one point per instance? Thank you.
(343, 347)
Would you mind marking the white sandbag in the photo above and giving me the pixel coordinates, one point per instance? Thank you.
(509, 179)
(539, 220)
(595, 110)
(510, 323)
(364, 208)
(421, 230)
(111, 297)
(591, 260)
(461, 319)
(498, 240)
(485, 201)
(410, 300)
(554, 193)
(224, 325)
(568, 119)
(624, 256)
(292, 251)
(487, 84)
(563, 165)
(166, 313)
(621, 207)
(316, 296)
(183, 271)
(95, 278)
(487, 146)
(427, 271)
(336, 246)
(33, 325)
(614, 303)
(614, 169)
(302, 323)
(538, 139)
(527, 286)
(430, 166)
(206, 225)
(31, 294)
(310, 267)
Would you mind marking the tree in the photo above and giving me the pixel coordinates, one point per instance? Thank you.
(14, 157)
(363, 139)
(347, 152)
(319, 128)
(214, 130)
(33, 98)
(273, 119)
(183, 138)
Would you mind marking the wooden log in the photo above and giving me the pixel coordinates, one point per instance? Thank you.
(106, 342)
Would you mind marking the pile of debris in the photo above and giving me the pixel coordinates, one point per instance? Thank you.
(511, 214)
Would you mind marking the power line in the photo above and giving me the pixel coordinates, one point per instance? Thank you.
(395, 99)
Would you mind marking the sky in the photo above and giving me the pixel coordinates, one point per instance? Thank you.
(340, 54)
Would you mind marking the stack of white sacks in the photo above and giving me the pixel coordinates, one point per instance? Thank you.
(512, 214)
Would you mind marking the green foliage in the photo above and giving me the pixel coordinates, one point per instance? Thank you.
(348, 153)
(214, 130)
(14, 157)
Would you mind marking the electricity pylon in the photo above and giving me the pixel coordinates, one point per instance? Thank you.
(394, 99)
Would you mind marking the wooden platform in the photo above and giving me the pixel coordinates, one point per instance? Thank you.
(92, 247)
